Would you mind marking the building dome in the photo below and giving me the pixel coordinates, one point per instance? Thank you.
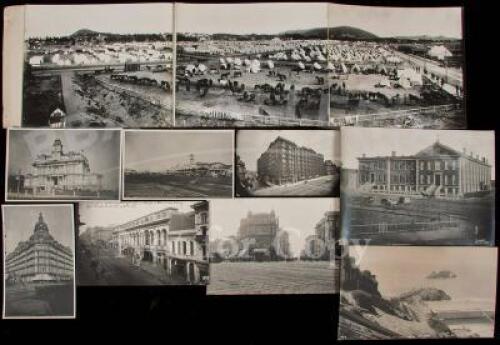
(41, 231)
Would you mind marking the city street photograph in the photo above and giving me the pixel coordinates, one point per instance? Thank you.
(98, 66)
(143, 243)
(404, 292)
(63, 164)
(274, 246)
(233, 70)
(412, 186)
(287, 163)
(38, 261)
(396, 66)
(178, 164)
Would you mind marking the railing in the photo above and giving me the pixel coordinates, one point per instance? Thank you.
(351, 120)
(268, 120)
(382, 228)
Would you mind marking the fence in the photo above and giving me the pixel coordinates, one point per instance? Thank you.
(383, 228)
(351, 120)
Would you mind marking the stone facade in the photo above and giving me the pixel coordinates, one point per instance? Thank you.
(40, 259)
(168, 238)
(286, 162)
(437, 170)
(64, 171)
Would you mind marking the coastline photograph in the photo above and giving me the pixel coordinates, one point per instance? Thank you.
(417, 292)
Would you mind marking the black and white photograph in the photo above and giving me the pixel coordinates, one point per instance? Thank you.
(287, 163)
(254, 64)
(63, 164)
(178, 164)
(143, 243)
(98, 66)
(274, 246)
(396, 66)
(403, 292)
(412, 186)
(38, 261)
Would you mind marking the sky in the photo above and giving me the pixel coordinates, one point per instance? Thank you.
(101, 147)
(269, 18)
(399, 21)
(63, 20)
(296, 216)
(160, 150)
(400, 269)
(250, 144)
(20, 220)
(115, 213)
(381, 142)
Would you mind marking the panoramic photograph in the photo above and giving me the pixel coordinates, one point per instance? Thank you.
(38, 261)
(178, 164)
(233, 70)
(412, 186)
(417, 292)
(269, 246)
(98, 66)
(143, 243)
(287, 163)
(396, 67)
(63, 164)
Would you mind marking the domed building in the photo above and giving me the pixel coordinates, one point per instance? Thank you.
(39, 259)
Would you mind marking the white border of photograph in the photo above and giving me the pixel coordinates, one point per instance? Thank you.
(179, 129)
(71, 206)
(12, 69)
(7, 147)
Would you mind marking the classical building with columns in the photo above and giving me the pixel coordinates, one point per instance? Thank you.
(173, 240)
(61, 171)
(437, 170)
(40, 259)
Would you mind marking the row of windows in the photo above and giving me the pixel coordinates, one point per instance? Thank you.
(183, 248)
(438, 165)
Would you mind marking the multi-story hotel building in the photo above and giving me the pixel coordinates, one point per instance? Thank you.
(286, 162)
(59, 170)
(168, 238)
(259, 228)
(437, 170)
(321, 245)
(40, 259)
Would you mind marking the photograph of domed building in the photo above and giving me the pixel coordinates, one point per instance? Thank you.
(39, 261)
(63, 164)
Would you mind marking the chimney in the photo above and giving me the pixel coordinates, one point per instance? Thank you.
(393, 153)
(483, 159)
(364, 155)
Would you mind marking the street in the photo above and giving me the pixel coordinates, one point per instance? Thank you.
(111, 270)
(321, 186)
(292, 277)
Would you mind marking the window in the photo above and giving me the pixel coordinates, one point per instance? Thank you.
(446, 165)
(429, 165)
(453, 179)
(191, 248)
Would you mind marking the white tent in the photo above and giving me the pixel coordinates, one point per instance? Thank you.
(229, 59)
(301, 65)
(330, 66)
(201, 68)
(247, 62)
(317, 66)
(343, 68)
(439, 52)
(270, 64)
(237, 61)
(190, 68)
(222, 61)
